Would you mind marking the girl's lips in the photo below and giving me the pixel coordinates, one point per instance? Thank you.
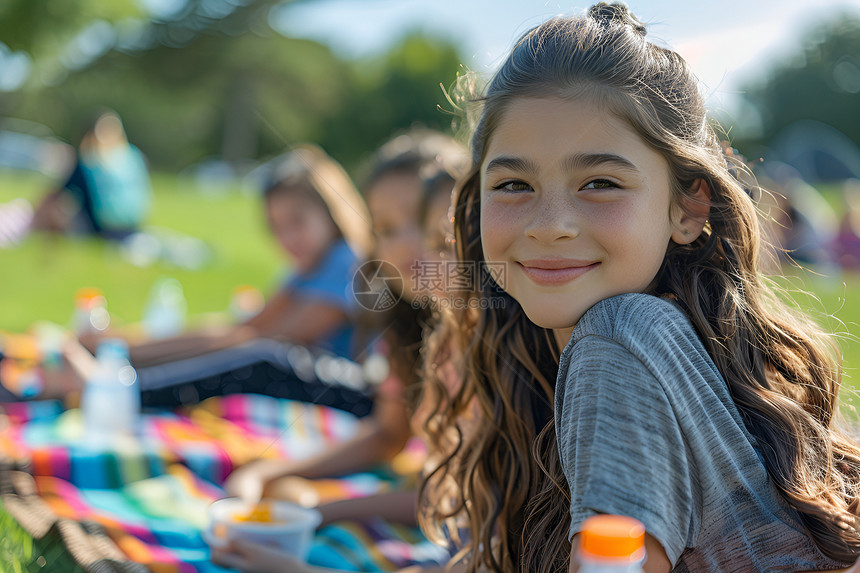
(552, 273)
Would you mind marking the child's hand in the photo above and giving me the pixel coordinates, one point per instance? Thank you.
(249, 481)
(81, 363)
(251, 557)
(91, 340)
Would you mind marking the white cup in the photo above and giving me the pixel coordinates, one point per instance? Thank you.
(291, 530)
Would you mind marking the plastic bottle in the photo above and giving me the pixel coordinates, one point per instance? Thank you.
(111, 398)
(91, 313)
(165, 310)
(611, 544)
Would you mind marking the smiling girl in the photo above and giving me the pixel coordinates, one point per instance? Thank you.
(640, 364)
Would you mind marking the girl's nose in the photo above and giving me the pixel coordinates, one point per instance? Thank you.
(553, 220)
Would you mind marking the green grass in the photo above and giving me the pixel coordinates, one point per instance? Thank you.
(41, 276)
(21, 553)
(834, 303)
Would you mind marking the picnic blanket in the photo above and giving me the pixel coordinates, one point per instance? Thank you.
(142, 505)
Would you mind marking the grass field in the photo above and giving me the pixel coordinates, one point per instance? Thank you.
(38, 279)
(41, 276)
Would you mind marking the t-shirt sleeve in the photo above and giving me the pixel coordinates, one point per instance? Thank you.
(330, 283)
(620, 444)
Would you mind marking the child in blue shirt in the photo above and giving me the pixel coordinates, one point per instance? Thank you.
(109, 191)
(320, 220)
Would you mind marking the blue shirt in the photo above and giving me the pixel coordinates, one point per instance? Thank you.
(119, 187)
(330, 282)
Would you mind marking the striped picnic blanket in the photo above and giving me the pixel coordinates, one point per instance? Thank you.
(143, 505)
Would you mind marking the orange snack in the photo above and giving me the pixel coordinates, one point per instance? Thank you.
(260, 513)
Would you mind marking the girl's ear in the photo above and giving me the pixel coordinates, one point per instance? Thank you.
(689, 218)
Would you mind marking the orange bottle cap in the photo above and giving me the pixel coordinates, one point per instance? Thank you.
(612, 537)
(89, 297)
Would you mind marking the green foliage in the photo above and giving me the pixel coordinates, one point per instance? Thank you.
(39, 27)
(251, 96)
(820, 83)
(392, 93)
(234, 89)
(20, 553)
(213, 97)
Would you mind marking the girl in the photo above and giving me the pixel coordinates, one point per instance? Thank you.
(640, 364)
(320, 220)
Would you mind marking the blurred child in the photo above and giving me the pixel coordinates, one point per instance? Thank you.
(108, 192)
(321, 222)
(847, 242)
(409, 193)
(802, 224)
(395, 194)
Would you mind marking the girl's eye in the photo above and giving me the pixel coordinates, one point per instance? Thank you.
(600, 184)
(513, 187)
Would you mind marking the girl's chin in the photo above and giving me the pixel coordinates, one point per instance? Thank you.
(551, 317)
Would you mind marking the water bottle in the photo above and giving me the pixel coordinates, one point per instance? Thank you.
(91, 315)
(111, 398)
(611, 544)
(165, 310)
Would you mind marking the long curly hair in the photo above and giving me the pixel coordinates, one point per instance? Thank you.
(502, 480)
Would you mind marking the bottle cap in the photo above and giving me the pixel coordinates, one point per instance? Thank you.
(88, 297)
(246, 302)
(612, 537)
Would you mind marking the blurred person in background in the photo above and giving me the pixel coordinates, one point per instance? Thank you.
(847, 242)
(321, 222)
(803, 225)
(409, 194)
(108, 193)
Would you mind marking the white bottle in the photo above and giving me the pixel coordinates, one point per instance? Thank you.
(165, 310)
(110, 403)
(91, 314)
(611, 544)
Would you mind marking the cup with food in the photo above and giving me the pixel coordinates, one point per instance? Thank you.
(281, 524)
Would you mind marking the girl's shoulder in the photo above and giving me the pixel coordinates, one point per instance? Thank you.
(633, 316)
(645, 333)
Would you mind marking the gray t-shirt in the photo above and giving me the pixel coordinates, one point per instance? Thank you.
(646, 428)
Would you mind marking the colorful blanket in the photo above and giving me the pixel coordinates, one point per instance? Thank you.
(144, 504)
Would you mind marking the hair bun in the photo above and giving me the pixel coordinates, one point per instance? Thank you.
(616, 13)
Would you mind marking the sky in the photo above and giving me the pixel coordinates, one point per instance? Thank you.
(728, 43)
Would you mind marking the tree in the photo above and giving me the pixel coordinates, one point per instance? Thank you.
(41, 27)
(235, 98)
(205, 83)
(822, 82)
(392, 93)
